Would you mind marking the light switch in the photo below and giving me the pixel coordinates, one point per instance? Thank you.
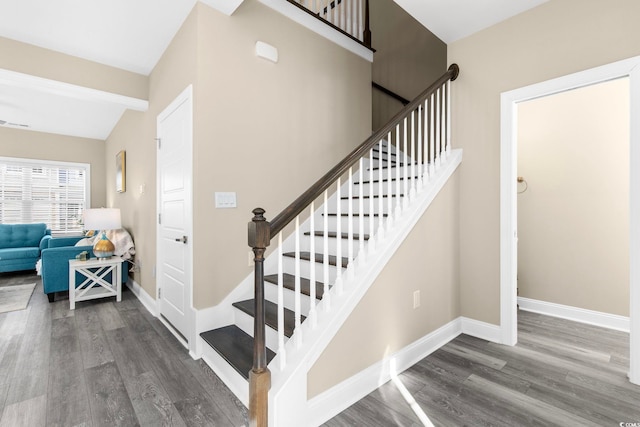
(225, 200)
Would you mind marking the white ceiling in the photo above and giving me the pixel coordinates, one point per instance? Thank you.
(133, 34)
(452, 20)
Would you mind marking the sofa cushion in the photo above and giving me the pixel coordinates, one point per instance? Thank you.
(21, 235)
(19, 253)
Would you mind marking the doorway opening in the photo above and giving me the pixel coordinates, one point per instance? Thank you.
(509, 188)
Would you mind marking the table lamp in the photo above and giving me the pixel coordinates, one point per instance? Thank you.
(102, 219)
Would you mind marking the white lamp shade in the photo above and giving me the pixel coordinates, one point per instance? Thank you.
(102, 219)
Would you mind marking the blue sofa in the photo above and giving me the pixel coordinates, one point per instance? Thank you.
(55, 264)
(21, 244)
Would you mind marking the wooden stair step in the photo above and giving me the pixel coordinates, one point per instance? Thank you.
(319, 258)
(235, 346)
(368, 197)
(333, 235)
(270, 315)
(289, 282)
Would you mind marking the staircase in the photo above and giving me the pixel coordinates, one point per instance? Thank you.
(339, 235)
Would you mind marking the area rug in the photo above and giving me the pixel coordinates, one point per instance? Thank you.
(16, 297)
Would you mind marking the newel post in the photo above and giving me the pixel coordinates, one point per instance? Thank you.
(259, 377)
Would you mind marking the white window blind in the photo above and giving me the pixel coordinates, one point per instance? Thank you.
(55, 193)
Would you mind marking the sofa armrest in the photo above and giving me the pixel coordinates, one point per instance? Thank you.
(44, 242)
(64, 242)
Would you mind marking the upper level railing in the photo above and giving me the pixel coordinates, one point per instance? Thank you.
(391, 167)
(350, 17)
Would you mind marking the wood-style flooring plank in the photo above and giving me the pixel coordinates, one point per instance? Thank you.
(93, 341)
(150, 401)
(108, 397)
(109, 317)
(27, 413)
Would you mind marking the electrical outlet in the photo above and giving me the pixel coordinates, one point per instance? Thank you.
(416, 299)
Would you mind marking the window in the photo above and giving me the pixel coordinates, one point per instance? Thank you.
(52, 192)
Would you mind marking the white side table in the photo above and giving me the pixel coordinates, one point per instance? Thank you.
(95, 285)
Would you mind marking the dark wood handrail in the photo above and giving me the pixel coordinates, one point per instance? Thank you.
(391, 93)
(294, 209)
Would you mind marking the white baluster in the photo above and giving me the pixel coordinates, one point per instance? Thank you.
(343, 14)
(420, 159)
(432, 138)
(281, 349)
(426, 142)
(390, 182)
(328, 15)
(398, 180)
(297, 305)
(438, 134)
(312, 274)
(338, 284)
(361, 22)
(380, 192)
(412, 191)
(370, 245)
(405, 167)
(326, 298)
(349, 227)
(361, 254)
(448, 117)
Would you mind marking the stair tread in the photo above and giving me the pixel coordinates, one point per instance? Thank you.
(270, 315)
(288, 282)
(319, 258)
(375, 196)
(333, 235)
(235, 346)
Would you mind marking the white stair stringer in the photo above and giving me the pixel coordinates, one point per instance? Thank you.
(288, 404)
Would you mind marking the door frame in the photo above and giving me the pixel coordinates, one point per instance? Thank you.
(508, 193)
(185, 96)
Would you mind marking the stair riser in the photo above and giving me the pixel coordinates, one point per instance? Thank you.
(344, 221)
(305, 244)
(271, 294)
(374, 172)
(245, 322)
(288, 265)
(375, 191)
(355, 202)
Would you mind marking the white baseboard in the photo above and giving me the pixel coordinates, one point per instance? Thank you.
(597, 318)
(333, 401)
(142, 295)
(482, 330)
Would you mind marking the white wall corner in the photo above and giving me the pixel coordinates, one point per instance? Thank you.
(591, 317)
(338, 398)
(225, 6)
(147, 300)
(482, 330)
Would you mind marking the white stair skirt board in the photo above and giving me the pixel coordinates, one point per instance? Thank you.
(597, 318)
(232, 379)
(338, 398)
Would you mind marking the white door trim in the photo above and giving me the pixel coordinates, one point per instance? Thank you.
(508, 200)
(185, 96)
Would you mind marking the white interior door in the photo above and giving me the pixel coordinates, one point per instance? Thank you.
(174, 130)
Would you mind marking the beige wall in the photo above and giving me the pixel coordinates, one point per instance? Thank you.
(37, 61)
(135, 133)
(555, 39)
(408, 57)
(385, 321)
(266, 131)
(573, 219)
(46, 146)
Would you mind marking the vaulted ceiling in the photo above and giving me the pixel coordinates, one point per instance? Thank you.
(132, 35)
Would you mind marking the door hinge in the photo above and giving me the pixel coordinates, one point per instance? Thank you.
(159, 218)
(159, 293)
(159, 143)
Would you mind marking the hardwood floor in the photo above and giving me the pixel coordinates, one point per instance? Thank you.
(102, 364)
(561, 373)
(114, 364)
